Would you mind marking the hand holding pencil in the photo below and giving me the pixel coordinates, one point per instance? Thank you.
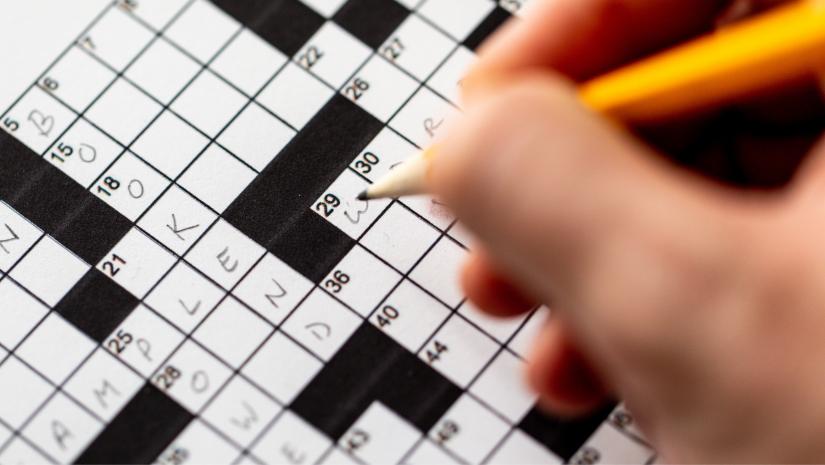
(699, 304)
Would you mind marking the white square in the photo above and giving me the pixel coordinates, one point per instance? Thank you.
(291, 437)
(469, 430)
(447, 80)
(152, 340)
(336, 456)
(191, 376)
(325, 7)
(37, 119)
(400, 237)
(380, 88)
(5, 435)
(232, 332)
(621, 419)
(273, 288)
(49, 255)
(17, 236)
(241, 411)
(321, 324)
(386, 151)
(201, 445)
(177, 220)
(162, 71)
(439, 271)
(103, 385)
(410, 316)
(248, 62)
(417, 47)
(79, 79)
(361, 281)
(184, 297)
(22, 391)
(170, 144)
(501, 329)
(246, 459)
(209, 103)
(425, 117)
(458, 17)
(332, 54)
(130, 186)
(216, 178)
(459, 351)
(62, 429)
(202, 30)
(19, 312)
(123, 111)
(428, 453)
(340, 206)
(136, 263)
(224, 254)
(256, 136)
(282, 368)
(521, 448)
(83, 152)
(503, 386)
(55, 361)
(158, 13)
(614, 447)
(295, 95)
(522, 342)
(19, 451)
(430, 209)
(116, 38)
(389, 436)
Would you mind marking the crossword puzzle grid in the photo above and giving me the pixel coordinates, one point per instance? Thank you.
(186, 276)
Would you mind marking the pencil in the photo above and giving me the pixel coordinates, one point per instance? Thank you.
(768, 51)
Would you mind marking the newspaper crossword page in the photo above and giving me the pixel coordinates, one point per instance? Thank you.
(185, 274)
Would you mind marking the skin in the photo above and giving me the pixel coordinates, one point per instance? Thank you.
(699, 304)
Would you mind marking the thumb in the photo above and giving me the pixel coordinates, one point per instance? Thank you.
(574, 209)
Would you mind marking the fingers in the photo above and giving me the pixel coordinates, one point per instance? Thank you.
(491, 291)
(573, 209)
(565, 381)
(581, 38)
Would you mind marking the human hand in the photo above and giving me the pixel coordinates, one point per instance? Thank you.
(701, 306)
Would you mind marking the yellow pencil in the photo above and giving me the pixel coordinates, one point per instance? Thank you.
(767, 51)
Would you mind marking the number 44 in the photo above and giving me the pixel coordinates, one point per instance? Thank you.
(434, 353)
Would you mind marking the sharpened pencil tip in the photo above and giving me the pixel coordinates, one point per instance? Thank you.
(363, 195)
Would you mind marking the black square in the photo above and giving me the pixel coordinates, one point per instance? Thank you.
(140, 432)
(286, 24)
(491, 23)
(276, 200)
(18, 166)
(369, 367)
(46, 196)
(563, 437)
(93, 230)
(312, 246)
(96, 305)
(371, 21)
